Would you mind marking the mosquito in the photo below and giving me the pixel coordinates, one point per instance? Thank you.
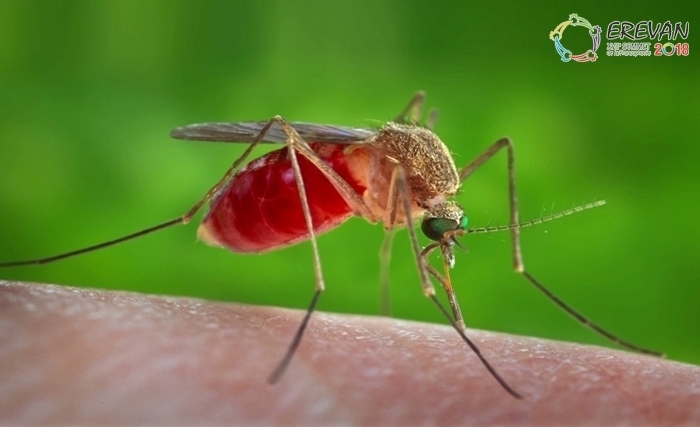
(397, 174)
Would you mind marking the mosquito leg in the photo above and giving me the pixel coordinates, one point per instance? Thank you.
(414, 109)
(385, 273)
(428, 288)
(399, 178)
(291, 351)
(181, 220)
(293, 142)
(412, 112)
(296, 144)
(400, 190)
(518, 263)
(385, 253)
(432, 119)
(389, 223)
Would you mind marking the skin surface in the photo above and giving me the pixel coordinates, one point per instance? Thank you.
(81, 357)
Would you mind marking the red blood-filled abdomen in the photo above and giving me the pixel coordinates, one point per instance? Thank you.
(260, 209)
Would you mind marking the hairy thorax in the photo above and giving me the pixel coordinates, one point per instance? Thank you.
(431, 174)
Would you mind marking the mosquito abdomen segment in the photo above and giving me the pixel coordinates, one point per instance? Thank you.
(260, 210)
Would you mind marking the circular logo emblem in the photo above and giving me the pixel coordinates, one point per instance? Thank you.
(575, 21)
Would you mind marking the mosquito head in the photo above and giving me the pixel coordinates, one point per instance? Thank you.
(443, 218)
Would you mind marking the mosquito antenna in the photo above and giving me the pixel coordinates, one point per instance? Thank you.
(537, 221)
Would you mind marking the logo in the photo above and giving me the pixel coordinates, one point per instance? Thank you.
(624, 38)
(647, 30)
(575, 21)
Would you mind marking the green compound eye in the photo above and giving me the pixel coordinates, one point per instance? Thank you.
(435, 228)
(463, 222)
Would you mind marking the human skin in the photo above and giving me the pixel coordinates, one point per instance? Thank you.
(72, 356)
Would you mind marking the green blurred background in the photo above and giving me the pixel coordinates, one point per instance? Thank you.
(90, 89)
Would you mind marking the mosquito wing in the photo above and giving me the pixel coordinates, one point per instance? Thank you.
(248, 131)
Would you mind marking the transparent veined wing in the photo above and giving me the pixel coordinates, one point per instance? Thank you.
(247, 131)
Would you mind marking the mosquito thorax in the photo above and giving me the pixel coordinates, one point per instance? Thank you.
(429, 166)
(443, 218)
